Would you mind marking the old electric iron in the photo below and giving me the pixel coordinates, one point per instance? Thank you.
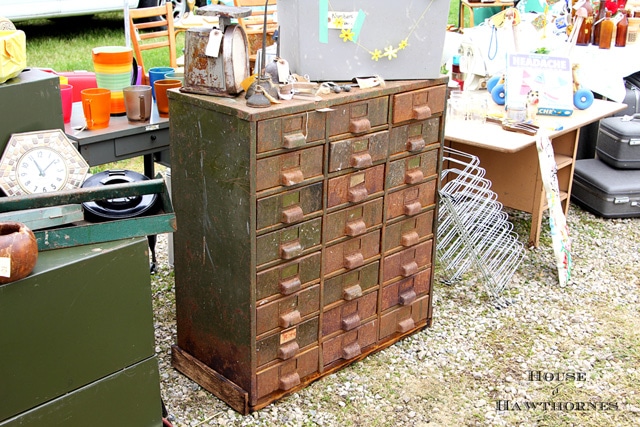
(217, 59)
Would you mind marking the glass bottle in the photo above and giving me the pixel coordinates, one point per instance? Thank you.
(621, 29)
(606, 31)
(584, 34)
(600, 14)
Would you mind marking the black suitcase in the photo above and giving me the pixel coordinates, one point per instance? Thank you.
(631, 98)
(618, 142)
(606, 191)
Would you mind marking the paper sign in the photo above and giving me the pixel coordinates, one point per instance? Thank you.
(213, 46)
(5, 267)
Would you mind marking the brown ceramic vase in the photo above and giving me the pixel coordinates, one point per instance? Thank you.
(19, 245)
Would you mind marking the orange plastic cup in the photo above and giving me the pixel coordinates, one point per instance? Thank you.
(161, 87)
(96, 105)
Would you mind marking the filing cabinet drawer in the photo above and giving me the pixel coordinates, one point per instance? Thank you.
(407, 262)
(358, 153)
(357, 118)
(289, 169)
(288, 311)
(288, 343)
(414, 137)
(406, 318)
(418, 104)
(355, 187)
(349, 316)
(412, 200)
(349, 345)
(404, 292)
(412, 170)
(286, 375)
(289, 132)
(353, 253)
(408, 232)
(289, 243)
(289, 207)
(353, 221)
(288, 278)
(350, 285)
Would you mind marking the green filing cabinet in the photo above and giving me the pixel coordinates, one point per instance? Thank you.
(77, 340)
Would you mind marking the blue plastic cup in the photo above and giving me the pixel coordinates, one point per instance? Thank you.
(157, 73)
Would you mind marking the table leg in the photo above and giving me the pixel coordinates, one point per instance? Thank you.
(149, 167)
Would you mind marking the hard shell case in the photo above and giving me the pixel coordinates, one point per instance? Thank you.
(618, 142)
(606, 191)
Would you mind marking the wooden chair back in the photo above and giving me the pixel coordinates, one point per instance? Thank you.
(254, 24)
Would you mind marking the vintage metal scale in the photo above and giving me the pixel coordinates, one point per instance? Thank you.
(217, 59)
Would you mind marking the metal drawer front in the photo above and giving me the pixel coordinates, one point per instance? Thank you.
(404, 292)
(290, 132)
(353, 221)
(350, 344)
(406, 318)
(350, 285)
(289, 243)
(352, 253)
(355, 187)
(288, 311)
(288, 278)
(411, 201)
(350, 315)
(418, 104)
(288, 343)
(414, 137)
(358, 118)
(413, 169)
(153, 141)
(289, 207)
(408, 232)
(289, 169)
(358, 153)
(286, 375)
(407, 262)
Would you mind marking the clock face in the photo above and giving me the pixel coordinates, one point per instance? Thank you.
(41, 170)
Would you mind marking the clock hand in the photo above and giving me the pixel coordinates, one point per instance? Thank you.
(37, 165)
(45, 169)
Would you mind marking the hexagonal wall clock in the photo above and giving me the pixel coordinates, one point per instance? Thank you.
(41, 162)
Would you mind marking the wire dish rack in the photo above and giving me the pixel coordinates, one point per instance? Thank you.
(473, 231)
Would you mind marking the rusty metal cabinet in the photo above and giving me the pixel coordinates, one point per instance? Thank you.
(306, 233)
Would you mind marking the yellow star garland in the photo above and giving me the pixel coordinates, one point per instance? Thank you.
(346, 35)
(390, 52)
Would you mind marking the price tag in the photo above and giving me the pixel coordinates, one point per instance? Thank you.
(283, 70)
(5, 267)
(213, 46)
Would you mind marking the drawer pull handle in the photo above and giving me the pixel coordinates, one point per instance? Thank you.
(291, 177)
(422, 112)
(416, 144)
(289, 286)
(351, 293)
(287, 320)
(409, 268)
(413, 176)
(292, 214)
(357, 194)
(412, 208)
(288, 350)
(355, 227)
(361, 160)
(359, 125)
(351, 350)
(407, 297)
(294, 140)
(354, 260)
(290, 249)
(406, 325)
(289, 381)
(409, 238)
(350, 322)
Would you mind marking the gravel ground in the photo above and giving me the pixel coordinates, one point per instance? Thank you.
(572, 351)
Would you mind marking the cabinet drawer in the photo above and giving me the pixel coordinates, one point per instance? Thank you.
(290, 132)
(408, 232)
(349, 316)
(288, 311)
(353, 253)
(350, 285)
(289, 169)
(404, 319)
(357, 118)
(407, 262)
(290, 242)
(412, 200)
(413, 169)
(414, 137)
(288, 278)
(358, 153)
(353, 221)
(404, 292)
(286, 375)
(350, 344)
(289, 207)
(355, 187)
(288, 343)
(155, 140)
(418, 104)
